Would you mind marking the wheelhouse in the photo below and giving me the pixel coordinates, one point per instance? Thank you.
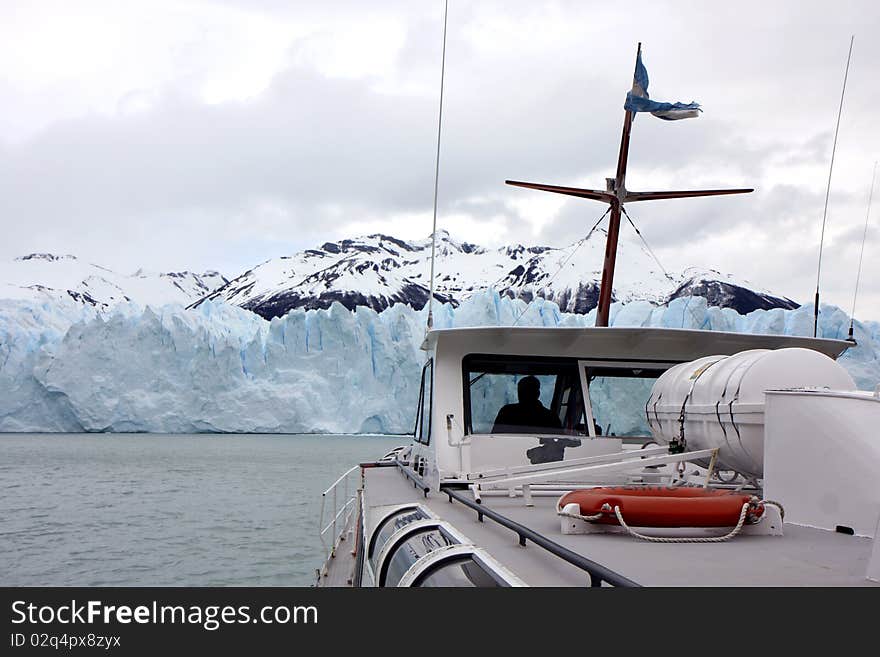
(589, 390)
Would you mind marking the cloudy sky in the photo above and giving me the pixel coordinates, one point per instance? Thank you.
(217, 134)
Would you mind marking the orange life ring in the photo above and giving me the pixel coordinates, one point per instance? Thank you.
(660, 506)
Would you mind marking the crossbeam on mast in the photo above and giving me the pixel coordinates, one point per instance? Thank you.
(629, 197)
(632, 197)
(616, 196)
(593, 194)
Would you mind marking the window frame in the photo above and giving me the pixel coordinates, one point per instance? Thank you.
(582, 365)
(501, 359)
(427, 385)
(613, 368)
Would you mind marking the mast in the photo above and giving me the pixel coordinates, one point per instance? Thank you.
(616, 195)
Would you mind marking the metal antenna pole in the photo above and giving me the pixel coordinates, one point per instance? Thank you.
(852, 316)
(437, 172)
(828, 190)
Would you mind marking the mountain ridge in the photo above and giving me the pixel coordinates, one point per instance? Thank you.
(42, 276)
(380, 270)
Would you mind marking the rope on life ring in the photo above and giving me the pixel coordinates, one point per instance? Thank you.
(743, 515)
(685, 539)
(606, 508)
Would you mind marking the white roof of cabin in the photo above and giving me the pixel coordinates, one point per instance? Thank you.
(659, 344)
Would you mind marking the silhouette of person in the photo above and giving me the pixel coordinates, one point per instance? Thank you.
(529, 415)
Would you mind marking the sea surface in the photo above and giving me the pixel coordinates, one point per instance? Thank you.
(168, 510)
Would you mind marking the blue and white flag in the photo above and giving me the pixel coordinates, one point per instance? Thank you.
(638, 100)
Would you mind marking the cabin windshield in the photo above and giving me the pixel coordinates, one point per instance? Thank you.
(523, 395)
(534, 395)
(618, 396)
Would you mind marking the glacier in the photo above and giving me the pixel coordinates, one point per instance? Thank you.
(66, 367)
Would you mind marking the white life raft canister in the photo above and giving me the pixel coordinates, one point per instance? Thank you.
(718, 401)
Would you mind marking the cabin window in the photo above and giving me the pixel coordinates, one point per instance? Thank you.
(618, 395)
(423, 422)
(505, 394)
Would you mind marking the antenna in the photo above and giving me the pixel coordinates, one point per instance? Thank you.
(852, 315)
(828, 190)
(437, 173)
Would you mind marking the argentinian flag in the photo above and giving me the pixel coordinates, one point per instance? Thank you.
(637, 100)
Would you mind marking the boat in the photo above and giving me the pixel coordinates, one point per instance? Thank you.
(466, 505)
(618, 457)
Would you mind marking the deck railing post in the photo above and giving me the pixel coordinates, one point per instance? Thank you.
(321, 521)
(333, 537)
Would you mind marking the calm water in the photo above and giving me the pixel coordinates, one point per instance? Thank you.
(139, 510)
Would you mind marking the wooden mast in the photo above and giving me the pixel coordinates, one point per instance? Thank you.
(616, 195)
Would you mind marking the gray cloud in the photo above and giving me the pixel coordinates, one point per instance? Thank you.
(533, 92)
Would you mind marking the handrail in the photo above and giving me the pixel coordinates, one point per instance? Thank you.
(623, 464)
(413, 476)
(561, 467)
(597, 572)
(349, 504)
(344, 508)
(341, 477)
(337, 511)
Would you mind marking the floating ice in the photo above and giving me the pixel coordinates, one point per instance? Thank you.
(65, 367)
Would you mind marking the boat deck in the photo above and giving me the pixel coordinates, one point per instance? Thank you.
(340, 569)
(803, 557)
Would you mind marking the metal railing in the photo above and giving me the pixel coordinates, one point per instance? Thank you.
(414, 477)
(344, 497)
(597, 573)
(343, 504)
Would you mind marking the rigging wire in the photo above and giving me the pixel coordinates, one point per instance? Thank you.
(645, 242)
(828, 189)
(578, 245)
(862, 253)
(437, 172)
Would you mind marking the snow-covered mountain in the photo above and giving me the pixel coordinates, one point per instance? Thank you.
(378, 271)
(726, 291)
(42, 276)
